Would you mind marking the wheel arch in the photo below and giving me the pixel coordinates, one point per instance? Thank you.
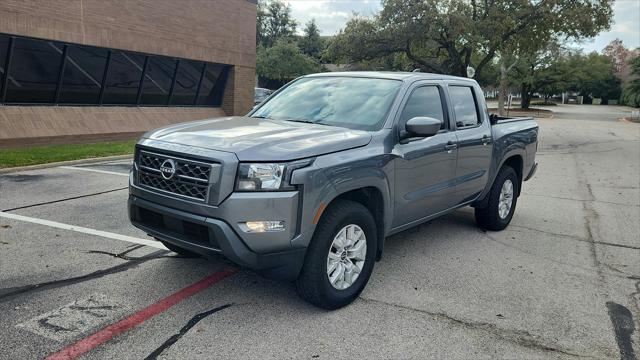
(516, 162)
(373, 198)
(514, 159)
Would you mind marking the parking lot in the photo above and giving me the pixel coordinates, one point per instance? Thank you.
(562, 281)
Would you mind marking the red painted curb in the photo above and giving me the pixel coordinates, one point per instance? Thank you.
(96, 339)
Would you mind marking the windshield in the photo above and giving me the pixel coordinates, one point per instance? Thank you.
(350, 102)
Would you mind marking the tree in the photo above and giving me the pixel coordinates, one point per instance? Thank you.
(597, 78)
(281, 63)
(444, 35)
(555, 70)
(543, 70)
(310, 43)
(274, 22)
(631, 93)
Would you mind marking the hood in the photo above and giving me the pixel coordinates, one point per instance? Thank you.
(253, 139)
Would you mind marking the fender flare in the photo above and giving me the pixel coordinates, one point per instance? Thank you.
(511, 151)
(372, 178)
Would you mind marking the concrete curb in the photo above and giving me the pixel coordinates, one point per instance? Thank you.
(628, 120)
(63, 163)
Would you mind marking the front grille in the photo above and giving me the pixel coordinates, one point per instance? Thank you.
(190, 177)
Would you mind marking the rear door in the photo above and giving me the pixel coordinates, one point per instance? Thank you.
(424, 167)
(474, 141)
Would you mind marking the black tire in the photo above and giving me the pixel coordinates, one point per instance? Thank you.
(313, 282)
(178, 250)
(488, 217)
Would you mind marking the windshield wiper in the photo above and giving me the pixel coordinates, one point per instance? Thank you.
(261, 117)
(305, 121)
(301, 121)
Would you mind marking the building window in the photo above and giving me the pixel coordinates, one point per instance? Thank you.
(187, 79)
(33, 71)
(83, 74)
(4, 46)
(123, 78)
(157, 81)
(48, 72)
(212, 85)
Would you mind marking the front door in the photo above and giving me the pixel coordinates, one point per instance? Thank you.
(424, 167)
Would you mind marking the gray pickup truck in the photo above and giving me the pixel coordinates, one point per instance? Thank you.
(308, 185)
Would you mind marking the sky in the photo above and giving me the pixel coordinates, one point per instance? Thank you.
(331, 16)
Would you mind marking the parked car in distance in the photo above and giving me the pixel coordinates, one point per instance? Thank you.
(260, 95)
(309, 184)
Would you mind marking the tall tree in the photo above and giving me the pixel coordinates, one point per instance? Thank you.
(310, 42)
(620, 56)
(274, 22)
(444, 35)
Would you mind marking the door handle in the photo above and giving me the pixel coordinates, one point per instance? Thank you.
(486, 140)
(450, 146)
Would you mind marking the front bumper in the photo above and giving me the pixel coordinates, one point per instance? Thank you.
(210, 237)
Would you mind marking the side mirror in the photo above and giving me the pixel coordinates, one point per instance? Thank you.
(423, 126)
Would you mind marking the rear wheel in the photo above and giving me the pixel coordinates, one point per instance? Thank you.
(502, 201)
(341, 256)
(178, 250)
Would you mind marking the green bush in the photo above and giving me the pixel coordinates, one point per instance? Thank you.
(630, 97)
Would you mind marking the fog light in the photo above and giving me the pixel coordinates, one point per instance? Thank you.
(262, 226)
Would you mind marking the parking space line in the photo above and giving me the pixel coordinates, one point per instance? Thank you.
(65, 199)
(105, 234)
(92, 170)
(102, 336)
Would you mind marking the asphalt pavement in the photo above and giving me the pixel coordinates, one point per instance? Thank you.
(562, 281)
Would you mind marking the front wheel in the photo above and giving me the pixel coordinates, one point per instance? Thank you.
(502, 201)
(340, 258)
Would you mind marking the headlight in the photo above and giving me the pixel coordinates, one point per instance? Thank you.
(257, 177)
(267, 177)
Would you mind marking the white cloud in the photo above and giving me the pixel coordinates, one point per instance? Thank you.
(626, 27)
(330, 15)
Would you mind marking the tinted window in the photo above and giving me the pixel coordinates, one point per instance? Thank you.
(157, 80)
(464, 106)
(4, 47)
(33, 76)
(351, 102)
(212, 87)
(424, 101)
(83, 74)
(123, 78)
(184, 90)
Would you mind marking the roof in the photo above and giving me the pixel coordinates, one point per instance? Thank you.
(394, 75)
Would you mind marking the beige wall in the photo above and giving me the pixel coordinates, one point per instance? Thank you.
(39, 125)
(221, 31)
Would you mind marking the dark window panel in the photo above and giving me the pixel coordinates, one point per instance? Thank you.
(83, 73)
(4, 48)
(464, 106)
(424, 101)
(33, 76)
(187, 78)
(123, 78)
(213, 83)
(157, 81)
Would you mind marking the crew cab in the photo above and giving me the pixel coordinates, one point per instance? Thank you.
(309, 184)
